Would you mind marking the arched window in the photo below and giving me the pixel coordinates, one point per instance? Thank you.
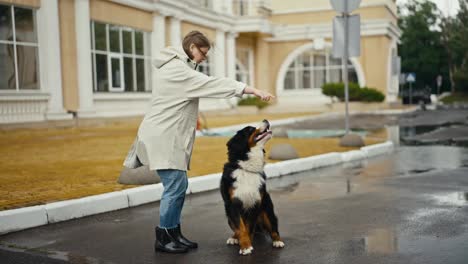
(311, 69)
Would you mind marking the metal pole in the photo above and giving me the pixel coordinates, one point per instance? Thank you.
(345, 61)
(410, 93)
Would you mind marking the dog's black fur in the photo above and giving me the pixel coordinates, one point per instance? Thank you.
(244, 213)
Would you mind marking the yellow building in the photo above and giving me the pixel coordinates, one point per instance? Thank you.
(92, 58)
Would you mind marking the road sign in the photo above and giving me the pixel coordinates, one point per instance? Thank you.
(411, 78)
(345, 6)
(354, 41)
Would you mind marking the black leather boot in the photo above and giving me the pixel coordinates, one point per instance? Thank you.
(166, 241)
(184, 241)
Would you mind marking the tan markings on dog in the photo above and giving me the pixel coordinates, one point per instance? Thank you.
(267, 224)
(252, 142)
(231, 192)
(243, 235)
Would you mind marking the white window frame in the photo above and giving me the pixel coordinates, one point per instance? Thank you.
(298, 70)
(121, 55)
(111, 76)
(21, 43)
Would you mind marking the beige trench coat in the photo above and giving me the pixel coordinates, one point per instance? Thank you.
(167, 132)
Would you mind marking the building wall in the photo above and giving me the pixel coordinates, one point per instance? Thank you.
(278, 53)
(109, 12)
(374, 60)
(68, 55)
(186, 27)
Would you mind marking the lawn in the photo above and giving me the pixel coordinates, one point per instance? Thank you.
(40, 166)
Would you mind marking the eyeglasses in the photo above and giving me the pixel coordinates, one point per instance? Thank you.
(205, 54)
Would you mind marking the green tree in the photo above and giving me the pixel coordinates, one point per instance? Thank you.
(455, 40)
(421, 48)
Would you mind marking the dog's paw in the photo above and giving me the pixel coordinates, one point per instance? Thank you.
(232, 241)
(246, 251)
(278, 244)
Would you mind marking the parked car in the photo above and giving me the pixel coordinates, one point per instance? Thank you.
(418, 96)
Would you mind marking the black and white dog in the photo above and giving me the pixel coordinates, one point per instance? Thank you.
(246, 201)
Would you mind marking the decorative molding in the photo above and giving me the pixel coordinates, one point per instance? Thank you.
(23, 107)
(374, 27)
(254, 24)
(186, 11)
(120, 104)
(389, 4)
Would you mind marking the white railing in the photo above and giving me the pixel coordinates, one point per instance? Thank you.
(251, 7)
(22, 108)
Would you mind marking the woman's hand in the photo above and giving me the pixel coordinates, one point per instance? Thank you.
(263, 95)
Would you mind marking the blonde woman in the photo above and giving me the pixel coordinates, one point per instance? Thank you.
(167, 132)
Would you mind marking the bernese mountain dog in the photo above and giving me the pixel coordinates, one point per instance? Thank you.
(247, 203)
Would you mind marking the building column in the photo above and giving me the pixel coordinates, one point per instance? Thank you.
(220, 54)
(158, 36)
(84, 65)
(176, 33)
(158, 41)
(231, 54)
(50, 63)
(262, 53)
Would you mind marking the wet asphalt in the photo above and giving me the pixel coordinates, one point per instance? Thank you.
(409, 207)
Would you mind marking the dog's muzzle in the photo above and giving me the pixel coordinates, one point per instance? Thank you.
(264, 129)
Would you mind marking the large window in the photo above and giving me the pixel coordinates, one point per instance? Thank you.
(244, 65)
(19, 63)
(121, 59)
(311, 70)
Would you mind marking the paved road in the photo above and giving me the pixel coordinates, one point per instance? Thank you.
(410, 207)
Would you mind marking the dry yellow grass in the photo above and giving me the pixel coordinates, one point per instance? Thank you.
(39, 166)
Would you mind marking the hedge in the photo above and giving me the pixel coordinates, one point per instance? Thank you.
(356, 93)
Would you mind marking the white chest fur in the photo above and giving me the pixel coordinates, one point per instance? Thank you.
(246, 187)
(248, 178)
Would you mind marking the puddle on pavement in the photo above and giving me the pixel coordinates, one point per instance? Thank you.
(453, 198)
(388, 241)
(58, 255)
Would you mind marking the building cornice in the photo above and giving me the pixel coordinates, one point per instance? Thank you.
(254, 24)
(389, 5)
(184, 11)
(314, 31)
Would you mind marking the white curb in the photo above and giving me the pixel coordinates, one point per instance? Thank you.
(144, 194)
(204, 183)
(66, 210)
(22, 218)
(353, 155)
(378, 149)
(272, 170)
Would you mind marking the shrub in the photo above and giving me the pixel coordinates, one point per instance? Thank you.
(371, 95)
(252, 100)
(355, 92)
(461, 81)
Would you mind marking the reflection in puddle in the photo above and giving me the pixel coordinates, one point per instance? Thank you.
(380, 241)
(455, 198)
(69, 257)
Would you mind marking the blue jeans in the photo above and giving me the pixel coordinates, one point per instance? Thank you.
(175, 185)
